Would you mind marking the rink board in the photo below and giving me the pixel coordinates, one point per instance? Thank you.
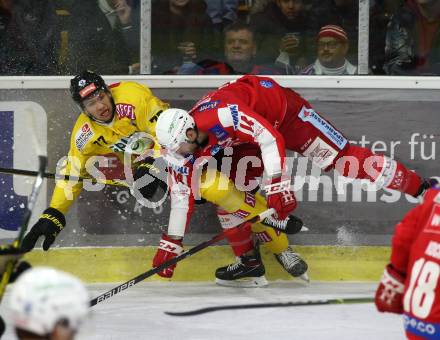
(326, 263)
(374, 112)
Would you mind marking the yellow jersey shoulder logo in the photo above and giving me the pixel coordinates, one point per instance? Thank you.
(125, 111)
(84, 134)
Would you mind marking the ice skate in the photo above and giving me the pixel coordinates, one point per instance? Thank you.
(247, 271)
(293, 264)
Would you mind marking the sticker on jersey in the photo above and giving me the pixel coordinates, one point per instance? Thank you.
(83, 136)
(200, 102)
(309, 115)
(421, 328)
(215, 149)
(321, 153)
(181, 169)
(433, 224)
(234, 113)
(266, 84)
(87, 90)
(219, 132)
(120, 145)
(249, 199)
(125, 111)
(208, 105)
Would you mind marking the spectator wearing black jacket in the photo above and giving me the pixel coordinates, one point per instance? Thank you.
(285, 33)
(413, 39)
(92, 42)
(181, 32)
(29, 37)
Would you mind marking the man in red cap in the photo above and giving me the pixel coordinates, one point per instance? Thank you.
(332, 48)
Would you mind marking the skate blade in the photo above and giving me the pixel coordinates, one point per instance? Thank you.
(304, 277)
(249, 282)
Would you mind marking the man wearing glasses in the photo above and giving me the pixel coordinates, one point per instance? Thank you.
(332, 49)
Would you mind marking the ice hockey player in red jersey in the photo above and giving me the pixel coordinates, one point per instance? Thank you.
(410, 283)
(256, 111)
(259, 111)
(191, 179)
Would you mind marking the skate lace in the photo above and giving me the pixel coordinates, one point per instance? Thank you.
(289, 258)
(279, 224)
(235, 265)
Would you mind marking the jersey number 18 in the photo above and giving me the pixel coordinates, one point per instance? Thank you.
(420, 295)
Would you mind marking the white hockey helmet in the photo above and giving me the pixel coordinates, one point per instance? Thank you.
(42, 296)
(171, 128)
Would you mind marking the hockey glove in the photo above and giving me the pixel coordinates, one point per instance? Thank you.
(168, 249)
(280, 197)
(389, 294)
(152, 173)
(51, 222)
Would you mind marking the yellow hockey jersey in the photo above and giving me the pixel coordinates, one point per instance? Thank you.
(137, 110)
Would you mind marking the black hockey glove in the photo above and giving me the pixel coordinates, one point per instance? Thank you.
(153, 173)
(51, 222)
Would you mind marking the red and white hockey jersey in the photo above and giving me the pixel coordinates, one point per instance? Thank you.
(248, 110)
(416, 252)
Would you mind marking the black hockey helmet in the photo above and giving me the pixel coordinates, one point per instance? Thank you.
(86, 84)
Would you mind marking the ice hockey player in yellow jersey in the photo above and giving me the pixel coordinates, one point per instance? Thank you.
(113, 118)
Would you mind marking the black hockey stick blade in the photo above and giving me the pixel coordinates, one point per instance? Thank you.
(10, 265)
(273, 305)
(170, 262)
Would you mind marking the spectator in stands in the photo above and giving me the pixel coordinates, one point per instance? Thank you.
(222, 12)
(124, 16)
(92, 43)
(345, 13)
(332, 48)
(240, 50)
(181, 32)
(29, 37)
(285, 33)
(413, 39)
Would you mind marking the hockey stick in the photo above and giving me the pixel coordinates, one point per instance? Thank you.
(272, 305)
(10, 264)
(172, 261)
(66, 177)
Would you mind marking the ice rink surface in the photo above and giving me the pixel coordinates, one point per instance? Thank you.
(138, 313)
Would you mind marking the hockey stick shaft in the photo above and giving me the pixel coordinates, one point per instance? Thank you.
(273, 305)
(42, 162)
(171, 262)
(66, 177)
